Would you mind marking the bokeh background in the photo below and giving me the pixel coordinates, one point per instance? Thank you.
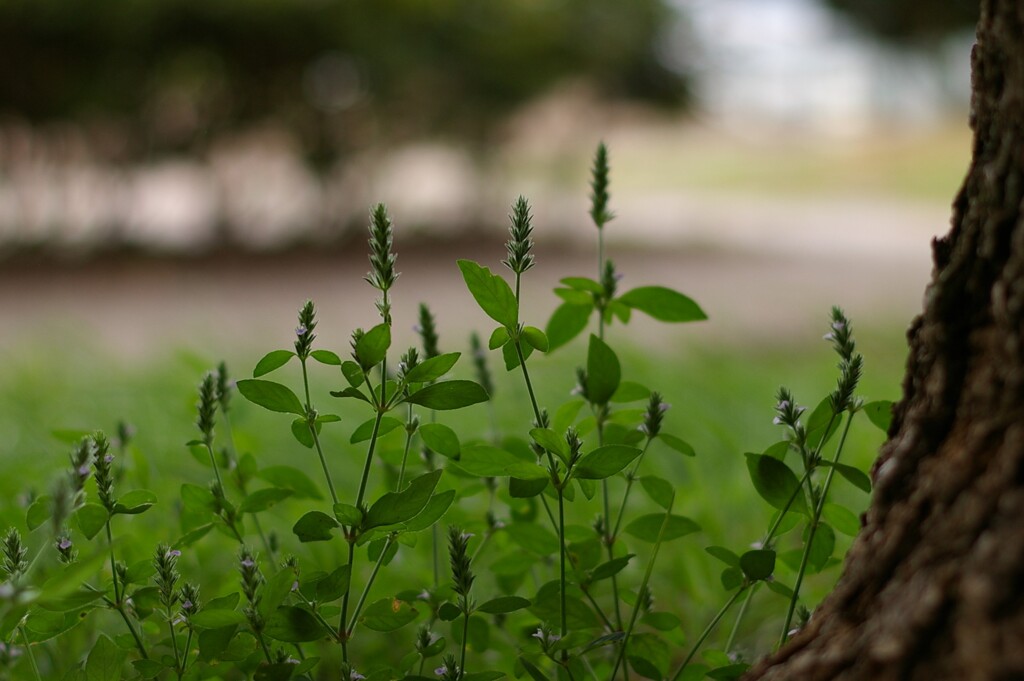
(178, 176)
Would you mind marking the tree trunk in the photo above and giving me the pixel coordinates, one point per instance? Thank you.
(933, 588)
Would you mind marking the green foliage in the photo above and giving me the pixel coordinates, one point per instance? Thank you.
(552, 556)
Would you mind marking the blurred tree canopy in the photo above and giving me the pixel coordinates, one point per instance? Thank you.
(915, 20)
(173, 73)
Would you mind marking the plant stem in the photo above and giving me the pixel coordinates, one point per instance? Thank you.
(369, 453)
(564, 630)
(342, 633)
(216, 468)
(815, 520)
(599, 610)
(643, 587)
(118, 605)
(739, 618)
(31, 655)
(241, 484)
(707, 631)
(405, 454)
(178, 668)
(369, 583)
(313, 433)
(630, 479)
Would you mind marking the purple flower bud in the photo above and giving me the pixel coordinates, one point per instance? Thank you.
(187, 605)
(83, 469)
(295, 585)
(248, 562)
(64, 544)
(109, 458)
(174, 553)
(300, 330)
(441, 671)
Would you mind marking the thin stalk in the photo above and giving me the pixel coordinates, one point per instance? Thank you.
(815, 521)
(263, 644)
(216, 468)
(630, 479)
(118, 605)
(342, 633)
(643, 587)
(465, 637)
(369, 457)
(241, 484)
(31, 655)
(564, 629)
(609, 538)
(366, 589)
(178, 668)
(707, 631)
(188, 646)
(600, 273)
(316, 437)
(765, 543)
(405, 454)
(599, 610)
(536, 415)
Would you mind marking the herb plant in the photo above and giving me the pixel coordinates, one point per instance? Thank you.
(532, 589)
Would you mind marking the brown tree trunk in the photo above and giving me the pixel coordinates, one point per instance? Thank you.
(934, 586)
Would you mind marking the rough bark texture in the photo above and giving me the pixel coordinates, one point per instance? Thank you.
(934, 586)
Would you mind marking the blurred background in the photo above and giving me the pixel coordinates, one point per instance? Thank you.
(178, 176)
(151, 153)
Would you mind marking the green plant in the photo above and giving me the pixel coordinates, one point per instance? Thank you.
(569, 598)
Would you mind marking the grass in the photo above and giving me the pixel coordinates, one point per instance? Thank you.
(721, 403)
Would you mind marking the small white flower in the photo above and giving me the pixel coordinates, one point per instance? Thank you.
(441, 671)
(301, 330)
(109, 458)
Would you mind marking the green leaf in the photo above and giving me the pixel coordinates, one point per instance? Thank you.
(275, 590)
(333, 586)
(822, 418)
(629, 391)
(758, 564)
(262, 499)
(776, 483)
(270, 395)
(314, 526)
(372, 348)
(511, 357)
(351, 392)
(675, 443)
(732, 578)
(583, 284)
(398, 507)
(843, 519)
(326, 357)
(491, 292)
(662, 621)
(301, 432)
(449, 395)
(649, 655)
(551, 441)
(575, 297)
(659, 490)
(294, 625)
(433, 368)
(275, 359)
(449, 612)
(135, 502)
(531, 669)
(725, 555)
(39, 512)
(605, 461)
(499, 337)
(502, 605)
(880, 414)
(148, 669)
(567, 322)
(524, 489)
(486, 461)
(647, 527)
(610, 568)
(533, 537)
(388, 614)
(91, 519)
(353, 373)
(105, 660)
(198, 499)
(603, 371)
(441, 439)
(663, 304)
(822, 547)
(729, 672)
(855, 476)
(290, 478)
(535, 338)
(432, 512)
(365, 430)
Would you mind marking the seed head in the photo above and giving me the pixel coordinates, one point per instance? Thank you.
(15, 555)
(652, 417)
(104, 471)
(165, 561)
(207, 407)
(408, 362)
(462, 573)
(65, 549)
(841, 335)
(572, 438)
(252, 580)
(599, 188)
(188, 596)
(81, 465)
(609, 280)
(841, 398)
(223, 388)
(428, 332)
(382, 274)
(483, 372)
(304, 335)
(519, 245)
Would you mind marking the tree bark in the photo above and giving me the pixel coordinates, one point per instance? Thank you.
(933, 588)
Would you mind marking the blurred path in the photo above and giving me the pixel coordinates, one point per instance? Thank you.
(764, 271)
